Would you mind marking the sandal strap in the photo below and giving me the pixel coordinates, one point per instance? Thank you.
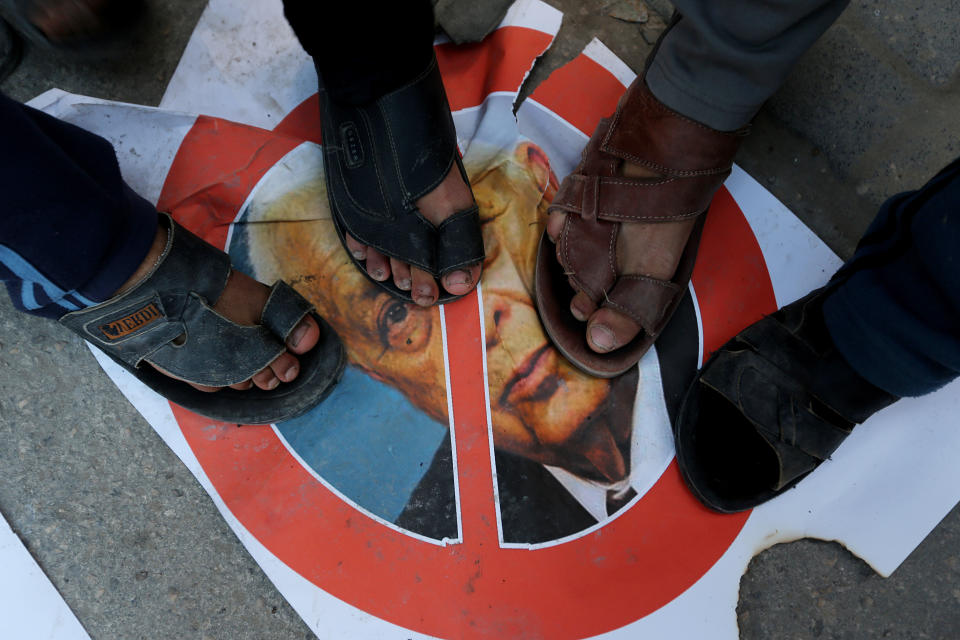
(781, 410)
(185, 254)
(645, 131)
(213, 350)
(785, 375)
(459, 241)
(421, 135)
(806, 352)
(644, 300)
(167, 319)
(284, 310)
(619, 199)
(127, 325)
(587, 251)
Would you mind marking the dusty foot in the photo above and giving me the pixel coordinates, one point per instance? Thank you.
(450, 196)
(642, 249)
(242, 301)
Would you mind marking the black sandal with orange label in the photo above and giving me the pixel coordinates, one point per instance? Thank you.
(167, 320)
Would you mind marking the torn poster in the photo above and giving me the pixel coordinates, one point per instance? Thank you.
(463, 480)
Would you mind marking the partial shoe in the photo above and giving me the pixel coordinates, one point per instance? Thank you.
(11, 50)
(692, 160)
(379, 159)
(167, 320)
(770, 406)
(86, 27)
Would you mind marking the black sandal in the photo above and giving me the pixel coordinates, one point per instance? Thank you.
(379, 159)
(770, 406)
(167, 320)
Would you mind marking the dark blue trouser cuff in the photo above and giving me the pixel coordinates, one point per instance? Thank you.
(895, 316)
(71, 230)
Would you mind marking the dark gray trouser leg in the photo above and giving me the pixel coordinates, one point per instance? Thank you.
(722, 60)
(895, 316)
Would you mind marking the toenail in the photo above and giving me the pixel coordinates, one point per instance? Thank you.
(424, 301)
(274, 381)
(404, 284)
(458, 278)
(291, 373)
(299, 334)
(359, 254)
(377, 274)
(602, 337)
(578, 313)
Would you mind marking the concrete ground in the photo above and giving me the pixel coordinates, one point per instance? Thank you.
(137, 548)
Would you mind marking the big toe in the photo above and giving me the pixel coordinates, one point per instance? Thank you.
(304, 336)
(608, 330)
(461, 281)
(555, 224)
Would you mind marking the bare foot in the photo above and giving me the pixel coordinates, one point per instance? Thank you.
(450, 196)
(242, 301)
(642, 249)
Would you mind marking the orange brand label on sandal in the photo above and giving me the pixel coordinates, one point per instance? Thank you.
(128, 324)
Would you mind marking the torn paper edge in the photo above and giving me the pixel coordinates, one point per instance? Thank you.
(30, 606)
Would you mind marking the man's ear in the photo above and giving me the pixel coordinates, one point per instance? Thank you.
(536, 162)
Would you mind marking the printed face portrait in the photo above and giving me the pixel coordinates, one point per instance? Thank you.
(541, 407)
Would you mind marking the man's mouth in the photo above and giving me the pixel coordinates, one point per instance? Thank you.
(533, 381)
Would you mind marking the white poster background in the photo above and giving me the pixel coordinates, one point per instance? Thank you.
(30, 607)
(883, 491)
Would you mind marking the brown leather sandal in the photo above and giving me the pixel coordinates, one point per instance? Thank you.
(693, 161)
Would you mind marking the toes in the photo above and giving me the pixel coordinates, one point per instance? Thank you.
(461, 281)
(555, 225)
(356, 249)
(304, 336)
(378, 265)
(266, 379)
(285, 367)
(198, 387)
(424, 291)
(204, 388)
(609, 330)
(582, 307)
(401, 274)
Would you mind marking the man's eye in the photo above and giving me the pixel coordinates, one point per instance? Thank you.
(396, 314)
(402, 326)
(392, 322)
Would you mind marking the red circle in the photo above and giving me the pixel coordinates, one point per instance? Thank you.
(630, 567)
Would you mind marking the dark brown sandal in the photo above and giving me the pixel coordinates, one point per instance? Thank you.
(693, 161)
